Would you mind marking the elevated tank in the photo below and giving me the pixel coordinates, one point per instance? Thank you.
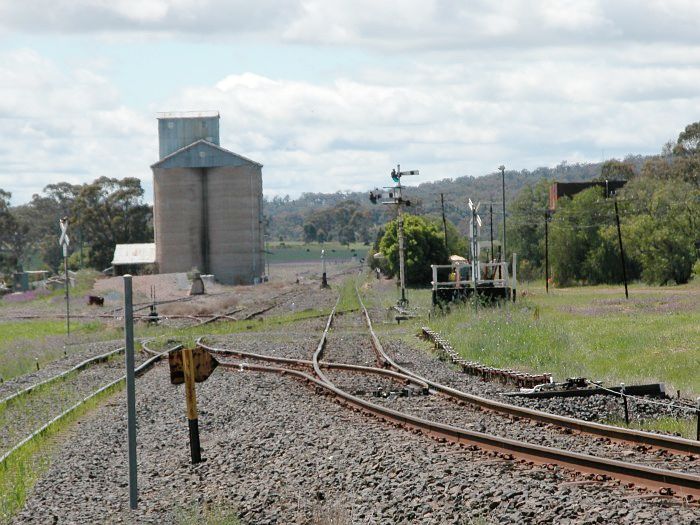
(179, 129)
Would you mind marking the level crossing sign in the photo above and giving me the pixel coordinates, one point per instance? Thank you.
(64, 240)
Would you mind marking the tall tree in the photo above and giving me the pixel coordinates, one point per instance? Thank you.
(424, 245)
(110, 212)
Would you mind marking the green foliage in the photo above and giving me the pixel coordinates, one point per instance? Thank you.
(662, 221)
(345, 222)
(583, 247)
(614, 169)
(109, 212)
(101, 214)
(423, 243)
(526, 228)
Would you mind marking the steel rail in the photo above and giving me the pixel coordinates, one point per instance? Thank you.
(669, 481)
(139, 371)
(304, 363)
(661, 441)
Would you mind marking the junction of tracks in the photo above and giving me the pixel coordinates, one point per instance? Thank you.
(321, 420)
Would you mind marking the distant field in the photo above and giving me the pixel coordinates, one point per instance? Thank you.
(296, 251)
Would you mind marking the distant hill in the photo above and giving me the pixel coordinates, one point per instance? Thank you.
(286, 216)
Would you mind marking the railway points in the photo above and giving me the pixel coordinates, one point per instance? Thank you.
(279, 407)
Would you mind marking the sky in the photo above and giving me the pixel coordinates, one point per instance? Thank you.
(331, 95)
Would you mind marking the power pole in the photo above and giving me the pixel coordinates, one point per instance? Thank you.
(503, 189)
(546, 250)
(491, 258)
(444, 222)
(622, 251)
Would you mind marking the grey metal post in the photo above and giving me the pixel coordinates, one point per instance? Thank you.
(546, 251)
(503, 189)
(130, 390)
(402, 271)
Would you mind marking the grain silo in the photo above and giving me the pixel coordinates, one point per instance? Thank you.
(207, 202)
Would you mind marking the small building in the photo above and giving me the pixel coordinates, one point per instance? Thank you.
(207, 202)
(568, 189)
(133, 258)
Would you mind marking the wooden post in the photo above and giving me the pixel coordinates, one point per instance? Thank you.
(191, 401)
(622, 251)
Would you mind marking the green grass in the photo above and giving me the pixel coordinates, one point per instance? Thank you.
(348, 298)
(295, 251)
(588, 331)
(21, 471)
(24, 343)
(208, 515)
(683, 427)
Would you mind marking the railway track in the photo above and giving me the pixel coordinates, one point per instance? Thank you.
(38, 408)
(453, 415)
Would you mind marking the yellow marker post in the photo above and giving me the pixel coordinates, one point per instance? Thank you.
(191, 401)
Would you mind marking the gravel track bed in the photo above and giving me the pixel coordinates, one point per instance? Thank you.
(75, 354)
(297, 341)
(437, 408)
(306, 297)
(278, 453)
(22, 417)
(349, 342)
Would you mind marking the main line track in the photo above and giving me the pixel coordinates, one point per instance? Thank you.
(316, 373)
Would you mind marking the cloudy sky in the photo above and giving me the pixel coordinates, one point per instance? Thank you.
(329, 95)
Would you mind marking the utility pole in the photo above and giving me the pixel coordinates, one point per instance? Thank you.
(622, 251)
(64, 241)
(503, 190)
(546, 250)
(444, 222)
(491, 258)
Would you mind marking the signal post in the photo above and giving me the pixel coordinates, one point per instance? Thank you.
(399, 202)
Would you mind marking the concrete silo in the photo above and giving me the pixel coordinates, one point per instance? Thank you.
(207, 202)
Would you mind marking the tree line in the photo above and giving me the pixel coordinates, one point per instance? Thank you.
(101, 214)
(659, 212)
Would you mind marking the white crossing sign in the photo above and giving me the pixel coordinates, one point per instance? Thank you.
(64, 241)
(410, 172)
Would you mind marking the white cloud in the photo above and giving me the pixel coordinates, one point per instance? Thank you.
(454, 88)
(64, 126)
